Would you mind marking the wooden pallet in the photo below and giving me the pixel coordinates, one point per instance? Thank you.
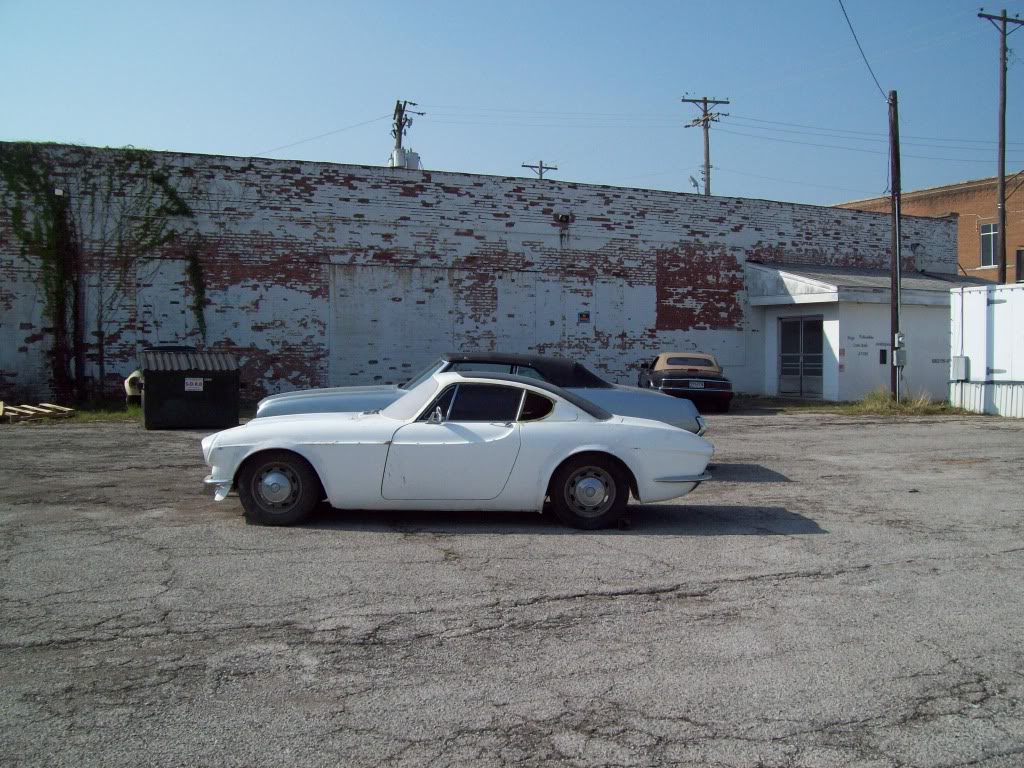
(12, 413)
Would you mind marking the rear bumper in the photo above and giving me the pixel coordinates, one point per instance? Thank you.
(698, 394)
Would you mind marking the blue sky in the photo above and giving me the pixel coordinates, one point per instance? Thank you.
(593, 87)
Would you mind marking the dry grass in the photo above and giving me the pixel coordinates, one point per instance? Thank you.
(877, 403)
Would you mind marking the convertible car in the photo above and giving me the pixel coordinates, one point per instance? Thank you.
(475, 440)
(694, 375)
(567, 374)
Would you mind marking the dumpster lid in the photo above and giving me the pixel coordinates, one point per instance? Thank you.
(188, 361)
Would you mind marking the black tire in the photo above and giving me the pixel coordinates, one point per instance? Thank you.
(297, 482)
(572, 508)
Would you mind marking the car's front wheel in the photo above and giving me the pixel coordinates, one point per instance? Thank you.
(278, 488)
(589, 492)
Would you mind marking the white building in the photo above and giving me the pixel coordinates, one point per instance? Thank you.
(826, 330)
(987, 335)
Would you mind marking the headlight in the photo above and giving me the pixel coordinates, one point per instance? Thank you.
(207, 444)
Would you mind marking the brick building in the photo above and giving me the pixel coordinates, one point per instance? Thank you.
(318, 274)
(975, 203)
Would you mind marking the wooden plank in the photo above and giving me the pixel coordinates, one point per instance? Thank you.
(57, 407)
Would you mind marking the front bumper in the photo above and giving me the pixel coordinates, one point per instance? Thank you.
(695, 479)
(222, 486)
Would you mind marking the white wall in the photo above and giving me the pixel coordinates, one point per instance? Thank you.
(987, 327)
(865, 330)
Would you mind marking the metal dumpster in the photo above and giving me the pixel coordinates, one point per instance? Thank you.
(189, 390)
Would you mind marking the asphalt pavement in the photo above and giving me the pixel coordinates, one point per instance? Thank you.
(848, 591)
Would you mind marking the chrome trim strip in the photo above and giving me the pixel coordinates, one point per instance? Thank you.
(684, 478)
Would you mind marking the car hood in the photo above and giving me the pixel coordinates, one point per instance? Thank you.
(328, 391)
(302, 428)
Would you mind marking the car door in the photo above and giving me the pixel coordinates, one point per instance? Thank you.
(468, 456)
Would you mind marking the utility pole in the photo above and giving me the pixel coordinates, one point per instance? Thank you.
(898, 351)
(402, 122)
(1003, 20)
(706, 118)
(540, 168)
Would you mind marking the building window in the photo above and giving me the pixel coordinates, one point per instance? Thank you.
(1020, 265)
(988, 245)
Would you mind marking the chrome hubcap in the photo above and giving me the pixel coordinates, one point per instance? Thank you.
(590, 492)
(277, 486)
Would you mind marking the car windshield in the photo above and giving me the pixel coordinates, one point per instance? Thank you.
(404, 408)
(423, 375)
(690, 362)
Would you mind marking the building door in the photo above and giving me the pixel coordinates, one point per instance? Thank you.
(800, 356)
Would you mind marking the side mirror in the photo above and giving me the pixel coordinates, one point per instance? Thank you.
(436, 417)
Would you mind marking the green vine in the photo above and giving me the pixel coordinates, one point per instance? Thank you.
(38, 218)
(194, 270)
(122, 207)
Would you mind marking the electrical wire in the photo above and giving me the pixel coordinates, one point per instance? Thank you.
(865, 133)
(791, 181)
(851, 149)
(859, 48)
(320, 136)
(866, 138)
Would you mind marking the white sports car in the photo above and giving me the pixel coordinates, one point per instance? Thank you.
(481, 441)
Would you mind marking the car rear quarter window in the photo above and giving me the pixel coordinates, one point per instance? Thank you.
(485, 402)
(535, 407)
(530, 373)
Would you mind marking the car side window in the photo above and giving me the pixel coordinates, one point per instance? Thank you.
(469, 365)
(535, 407)
(530, 373)
(485, 402)
(443, 401)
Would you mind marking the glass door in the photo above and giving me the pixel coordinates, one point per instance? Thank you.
(801, 356)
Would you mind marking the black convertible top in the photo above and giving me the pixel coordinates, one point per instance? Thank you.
(583, 404)
(555, 370)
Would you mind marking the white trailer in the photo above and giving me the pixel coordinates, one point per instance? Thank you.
(987, 354)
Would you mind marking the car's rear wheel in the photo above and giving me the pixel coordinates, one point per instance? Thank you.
(278, 488)
(589, 492)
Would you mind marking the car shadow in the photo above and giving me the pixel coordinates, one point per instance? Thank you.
(745, 473)
(640, 520)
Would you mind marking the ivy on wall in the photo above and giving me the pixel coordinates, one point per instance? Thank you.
(115, 210)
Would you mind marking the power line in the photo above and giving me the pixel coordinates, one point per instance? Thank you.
(868, 138)
(851, 149)
(850, 25)
(320, 136)
(865, 133)
(791, 181)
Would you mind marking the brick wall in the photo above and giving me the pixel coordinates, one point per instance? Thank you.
(320, 274)
(975, 204)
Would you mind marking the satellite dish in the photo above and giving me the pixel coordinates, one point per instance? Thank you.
(695, 184)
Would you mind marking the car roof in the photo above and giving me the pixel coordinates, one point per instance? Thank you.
(580, 402)
(556, 370)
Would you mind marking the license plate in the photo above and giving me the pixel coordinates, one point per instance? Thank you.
(696, 385)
